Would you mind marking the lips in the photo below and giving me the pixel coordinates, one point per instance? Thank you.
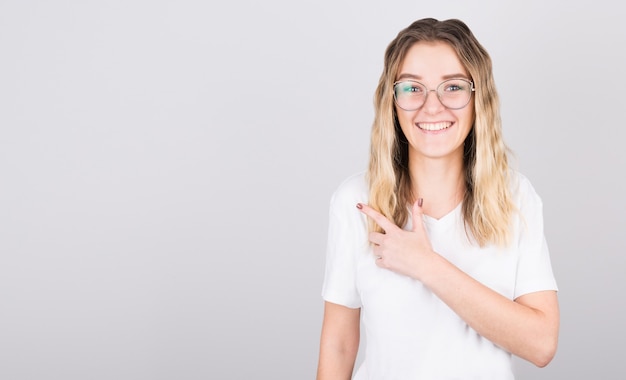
(434, 126)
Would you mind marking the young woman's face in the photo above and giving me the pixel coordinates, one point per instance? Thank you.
(434, 130)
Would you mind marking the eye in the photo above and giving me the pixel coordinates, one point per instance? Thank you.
(455, 86)
(413, 88)
(409, 88)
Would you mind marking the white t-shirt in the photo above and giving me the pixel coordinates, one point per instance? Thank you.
(409, 332)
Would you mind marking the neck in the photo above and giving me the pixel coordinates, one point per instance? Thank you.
(440, 182)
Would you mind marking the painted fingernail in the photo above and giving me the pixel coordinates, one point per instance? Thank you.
(359, 206)
(420, 201)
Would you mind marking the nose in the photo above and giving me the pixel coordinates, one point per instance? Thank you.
(432, 104)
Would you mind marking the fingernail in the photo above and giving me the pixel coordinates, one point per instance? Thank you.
(420, 201)
(359, 206)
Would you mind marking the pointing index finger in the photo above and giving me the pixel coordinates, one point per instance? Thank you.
(379, 218)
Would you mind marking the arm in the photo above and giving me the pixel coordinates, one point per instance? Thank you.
(527, 326)
(339, 342)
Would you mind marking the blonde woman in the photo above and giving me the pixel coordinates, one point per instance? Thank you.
(438, 250)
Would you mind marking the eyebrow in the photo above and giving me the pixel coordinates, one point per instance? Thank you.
(449, 76)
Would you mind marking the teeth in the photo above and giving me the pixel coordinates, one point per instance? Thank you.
(434, 126)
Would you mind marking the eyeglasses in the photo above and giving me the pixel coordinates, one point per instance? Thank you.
(454, 94)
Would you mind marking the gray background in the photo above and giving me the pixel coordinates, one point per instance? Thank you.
(166, 169)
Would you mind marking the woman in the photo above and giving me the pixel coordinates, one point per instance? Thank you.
(443, 260)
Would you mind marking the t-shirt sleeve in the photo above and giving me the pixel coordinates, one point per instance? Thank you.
(345, 240)
(534, 269)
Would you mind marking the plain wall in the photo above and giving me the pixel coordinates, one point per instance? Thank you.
(166, 169)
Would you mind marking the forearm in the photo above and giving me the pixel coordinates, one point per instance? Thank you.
(335, 363)
(525, 331)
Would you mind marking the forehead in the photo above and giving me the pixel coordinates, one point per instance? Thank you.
(431, 60)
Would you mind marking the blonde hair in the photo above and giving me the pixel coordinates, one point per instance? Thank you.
(487, 204)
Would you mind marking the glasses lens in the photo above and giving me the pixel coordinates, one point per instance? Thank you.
(455, 93)
(409, 95)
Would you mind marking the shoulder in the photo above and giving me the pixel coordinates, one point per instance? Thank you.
(351, 190)
(523, 191)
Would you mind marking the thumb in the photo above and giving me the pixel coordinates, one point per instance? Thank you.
(417, 212)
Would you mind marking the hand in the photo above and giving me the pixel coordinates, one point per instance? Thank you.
(404, 252)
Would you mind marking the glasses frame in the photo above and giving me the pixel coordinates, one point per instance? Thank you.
(436, 90)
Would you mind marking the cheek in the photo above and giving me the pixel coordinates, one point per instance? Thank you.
(467, 120)
(406, 127)
(405, 119)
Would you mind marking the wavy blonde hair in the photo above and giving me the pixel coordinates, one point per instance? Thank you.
(487, 204)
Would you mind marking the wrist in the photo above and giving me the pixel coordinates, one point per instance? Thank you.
(430, 268)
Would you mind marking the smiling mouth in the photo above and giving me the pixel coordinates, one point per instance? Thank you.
(434, 126)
